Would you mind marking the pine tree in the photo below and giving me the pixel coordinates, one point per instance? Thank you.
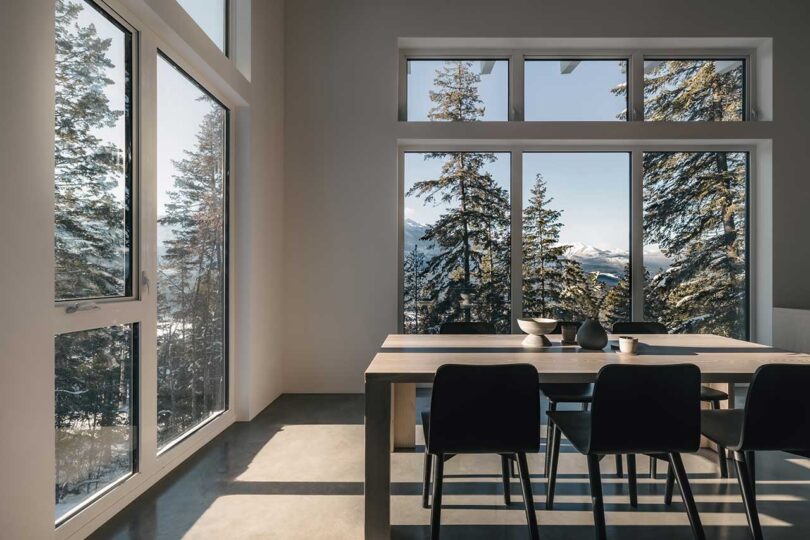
(91, 258)
(472, 236)
(544, 262)
(413, 294)
(191, 322)
(616, 306)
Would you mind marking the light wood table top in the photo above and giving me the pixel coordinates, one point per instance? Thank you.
(415, 358)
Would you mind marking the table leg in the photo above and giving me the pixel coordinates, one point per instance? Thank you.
(403, 423)
(729, 404)
(377, 494)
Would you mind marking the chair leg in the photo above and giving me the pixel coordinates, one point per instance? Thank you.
(653, 467)
(507, 499)
(426, 481)
(512, 468)
(748, 495)
(596, 497)
(549, 434)
(436, 510)
(752, 473)
(670, 486)
(619, 471)
(631, 480)
(528, 498)
(676, 463)
(555, 462)
(721, 451)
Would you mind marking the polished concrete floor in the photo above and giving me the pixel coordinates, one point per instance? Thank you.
(296, 472)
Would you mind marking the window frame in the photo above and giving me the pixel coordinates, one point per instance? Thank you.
(226, 206)
(635, 72)
(132, 166)
(635, 150)
(140, 308)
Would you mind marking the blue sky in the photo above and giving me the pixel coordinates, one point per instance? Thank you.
(210, 16)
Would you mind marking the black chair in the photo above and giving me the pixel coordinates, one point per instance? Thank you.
(707, 393)
(483, 410)
(567, 393)
(776, 417)
(507, 463)
(636, 409)
(467, 328)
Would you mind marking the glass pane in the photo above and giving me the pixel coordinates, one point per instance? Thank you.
(575, 90)
(95, 427)
(457, 240)
(458, 90)
(191, 286)
(686, 90)
(576, 236)
(695, 241)
(93, 154)
(211, 16)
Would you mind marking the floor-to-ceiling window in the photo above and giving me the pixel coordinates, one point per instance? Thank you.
(96, 354)
(192, 181)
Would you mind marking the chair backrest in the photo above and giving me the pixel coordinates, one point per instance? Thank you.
(639, 327)
(638, 409)
(467, 328)
(777, 410)
(558, 328)
(485, 409)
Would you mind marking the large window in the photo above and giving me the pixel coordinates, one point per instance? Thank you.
(576, 236)
(95, 379)
(695, 241)
(93, 143)
(457, 90)
(192, 254)
(457, 240)
(694, 90)
(95, 413)
(575, 89)
(212, 17)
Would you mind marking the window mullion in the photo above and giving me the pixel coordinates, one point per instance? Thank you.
(516, 259)
(636, 92)
(637, 234)
(516, 87)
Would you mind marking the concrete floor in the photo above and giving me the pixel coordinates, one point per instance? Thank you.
(296, 472)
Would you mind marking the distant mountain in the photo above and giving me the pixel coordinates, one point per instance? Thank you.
(414, 231)
(601, 261)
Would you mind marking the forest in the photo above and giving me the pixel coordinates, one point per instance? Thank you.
(694, 211)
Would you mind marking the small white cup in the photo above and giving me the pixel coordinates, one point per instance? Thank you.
(628, 344)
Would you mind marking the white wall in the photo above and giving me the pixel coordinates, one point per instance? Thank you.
(260, 217)
(341, 133)
(26, 270)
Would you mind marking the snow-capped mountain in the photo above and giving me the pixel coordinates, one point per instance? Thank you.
(594, 259)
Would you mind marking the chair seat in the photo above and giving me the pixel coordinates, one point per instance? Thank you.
(576, 426)
(707, 393)
(723, 426)
(568, 392)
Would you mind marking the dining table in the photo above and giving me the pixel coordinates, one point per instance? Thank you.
(406, 360)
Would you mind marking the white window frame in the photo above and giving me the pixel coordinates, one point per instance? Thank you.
(141, 306)
(635, 150)
(635, 58)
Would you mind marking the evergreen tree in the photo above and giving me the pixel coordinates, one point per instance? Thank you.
(694, 203)
(468, 278)
(544, 262)
(90, 250)
(413, 294)
(616, 306)
(191, 322)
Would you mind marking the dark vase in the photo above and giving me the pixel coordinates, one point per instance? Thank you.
(591, 335)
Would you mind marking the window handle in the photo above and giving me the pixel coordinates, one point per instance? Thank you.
(81, 306)
(145, 281)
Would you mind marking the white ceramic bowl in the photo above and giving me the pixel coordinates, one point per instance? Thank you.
(537, 326)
